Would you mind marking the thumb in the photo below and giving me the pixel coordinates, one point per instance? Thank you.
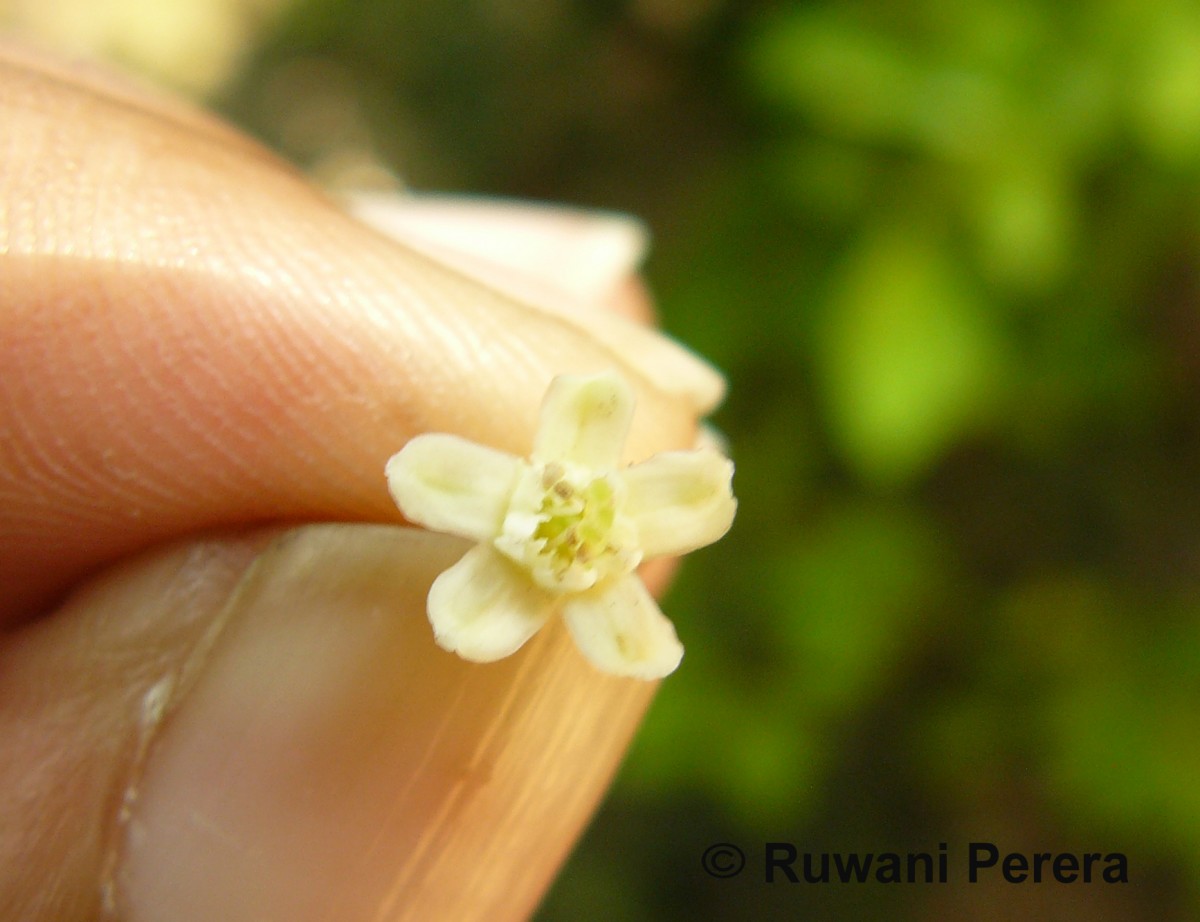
(262, 729)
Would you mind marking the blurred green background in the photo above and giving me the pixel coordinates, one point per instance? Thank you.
(947, 253)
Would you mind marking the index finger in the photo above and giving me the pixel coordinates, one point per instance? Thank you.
(193, 337)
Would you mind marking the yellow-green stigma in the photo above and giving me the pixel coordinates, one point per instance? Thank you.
(567, 528)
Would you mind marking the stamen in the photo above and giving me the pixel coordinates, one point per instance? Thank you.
(552, 473)
(579, 535)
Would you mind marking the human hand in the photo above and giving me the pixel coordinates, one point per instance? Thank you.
(210, 709)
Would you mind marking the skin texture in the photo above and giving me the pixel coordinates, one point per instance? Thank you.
(209, 709)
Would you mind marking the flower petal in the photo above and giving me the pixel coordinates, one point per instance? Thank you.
(484, 608)
(680, 500)
(621, 630)
(449, 484)
(584, 420)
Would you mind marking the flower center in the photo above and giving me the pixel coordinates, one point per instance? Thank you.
(566, 526)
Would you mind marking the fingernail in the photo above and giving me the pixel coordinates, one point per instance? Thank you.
(668, 365)
(559, 260)
(582, 253)
(328, 761)
(709, 436)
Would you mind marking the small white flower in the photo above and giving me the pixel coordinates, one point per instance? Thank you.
(562, 531)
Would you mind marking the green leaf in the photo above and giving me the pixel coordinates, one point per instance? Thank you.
(908, 356)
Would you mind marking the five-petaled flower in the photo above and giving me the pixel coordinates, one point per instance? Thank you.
(562, 531)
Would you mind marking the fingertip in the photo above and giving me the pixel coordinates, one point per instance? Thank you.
(193, 337)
